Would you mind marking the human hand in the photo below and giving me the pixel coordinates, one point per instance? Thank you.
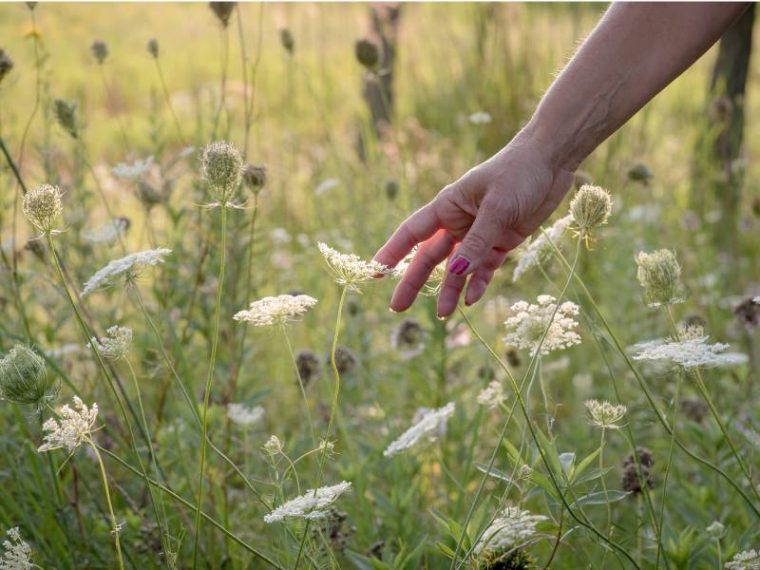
(475, 222)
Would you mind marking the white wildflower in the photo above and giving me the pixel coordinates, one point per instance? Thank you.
(492, 395)
(747, 560)
(17, 554)
(311, 505)
(689, 350)
(529, 323)
(128, 265)
(715, 529)
(350, 270)
(244, 415)
(427, 429)
(73, 427)
(604, 414)
(326, 186)
(115, 344)
(480, 118)
(273, 446)
(278, 310)
(132, 171)
(108, 233)
(511, 529)
(541, 248)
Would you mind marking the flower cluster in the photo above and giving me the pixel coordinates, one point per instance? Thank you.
(604, 414)
(244, 415)
(133, 171)
(23, 376)
(511, 529)
(427, 429)
(278, 310)
(348, 269)
(492, 395)
(590, 208)
(17, 554)
(42, 206)
(689, 350)
(128, 265)
(109, 232)
(222, 169)
(545, 320)
(747, 560)
(311, 505)
(541, 247)
(115, 345)
(660, 275)
(73, 427)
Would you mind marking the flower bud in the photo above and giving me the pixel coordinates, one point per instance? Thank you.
(273, 446)
(6, 64)
(66, 114)
(640, 172)
(99, 49)
(23, 376)
(222, 169)
(223, 11)
(660, 275)
(590, 208)
(391, 189)
(367, 53)
(254, 177)
(287, 40)
(42, 206)
(153, 47)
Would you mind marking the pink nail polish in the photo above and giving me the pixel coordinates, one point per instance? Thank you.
(459, 266)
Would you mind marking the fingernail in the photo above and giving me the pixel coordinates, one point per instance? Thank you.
(440, 317)
(392, 310)
(459, 265)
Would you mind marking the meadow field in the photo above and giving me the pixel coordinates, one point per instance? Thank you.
(198, 367)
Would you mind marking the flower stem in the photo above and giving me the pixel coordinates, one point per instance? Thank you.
(301, 386)
(115, 530)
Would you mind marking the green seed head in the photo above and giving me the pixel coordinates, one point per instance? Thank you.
(367, 53)
(223, 11)
(42, 206)
(660, 275)
(153, 47)
(23, 377)
(222, 169)
(287, 40)
(67, 116)
(254, 177)
(6, 64)
(590, 208)
(99, 50)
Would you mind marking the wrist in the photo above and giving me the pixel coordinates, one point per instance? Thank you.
(561, 153)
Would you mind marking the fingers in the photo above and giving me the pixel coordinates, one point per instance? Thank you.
(428, 256)
(482, 276)
(487, 231)
(415, 229)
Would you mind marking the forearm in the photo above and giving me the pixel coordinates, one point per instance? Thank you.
(633, 53)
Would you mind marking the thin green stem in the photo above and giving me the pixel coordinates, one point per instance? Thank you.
(115, 530)
(300, 385)
(168, 100)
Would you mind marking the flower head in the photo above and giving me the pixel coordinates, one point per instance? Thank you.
(42, 206)
(278, 310)
(243, 415)
(367, 53)
(309, 366)
(590, 208)
(545, 320)
(128, 265)
(604, 414)
(311, 505)
(541, 248)
(660, 275)
(254, 177)
(511, 529)
(73, 427)
(222, 11)
(109, 232)
(153, 48)
(715, 529)
(348, 269)
(492, 395)
(23, 376)
(133, 171)
(115, 345)
(631, 482)
(67, 116)
(427, 429)
(689, 350)
(99, 50)
(747, 560)
(6, 64)
(273, 446)
(408, 338)
(17, 554)
(222, 169)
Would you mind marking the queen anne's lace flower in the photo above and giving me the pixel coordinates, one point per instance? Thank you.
(604, 414)
(747, 560)
(492, 395)
(244, 415)
(427, 429)
(434, 282)
(690, 350)
(529, 322)
(108, 233)
(349, 269)
(311, 505)
(42, 206)
(115, 344)
(128, 265)
(17, 554)
(540, 248)
(511, 529)
(278, 310)
(133, 171)
(73, 427)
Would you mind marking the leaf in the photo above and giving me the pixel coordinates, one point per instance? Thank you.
(601, 498)
(496, 473)
(583, 465)
(567, 460)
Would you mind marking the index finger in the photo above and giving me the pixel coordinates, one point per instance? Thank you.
(415, 229)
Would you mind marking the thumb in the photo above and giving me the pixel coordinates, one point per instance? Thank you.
(486, 231)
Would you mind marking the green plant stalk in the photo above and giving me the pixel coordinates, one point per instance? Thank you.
(119, 120)
(604, 483)
(209, 380)
(168, 100)
(114, 522)
(300, 385)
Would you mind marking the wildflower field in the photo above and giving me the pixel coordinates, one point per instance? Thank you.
(198, 367)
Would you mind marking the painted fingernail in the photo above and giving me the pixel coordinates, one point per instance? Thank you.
(392, 310)
(459, 266)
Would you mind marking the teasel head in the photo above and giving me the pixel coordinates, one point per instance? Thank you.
(222, 169)
(153, 48)
(99, 50)
(42, 207)
(631, 482)
(660, 275)
(6, 64)
(367, 54)
(223, 11)
(287, 40)
(254, 177)
(590, 208)
(309, 367)
(67, 116)
(24, 378)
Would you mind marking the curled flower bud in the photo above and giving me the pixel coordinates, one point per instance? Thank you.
(223, 11)
(67, 117)
(590, 208)
(42, 206)
(287, 40)
(99, 50)
(254, 177)
(6, 64)
(273, 446)
(222, 169)
(660, 275)
(153, 47)
(367, 53)
(23, 377)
